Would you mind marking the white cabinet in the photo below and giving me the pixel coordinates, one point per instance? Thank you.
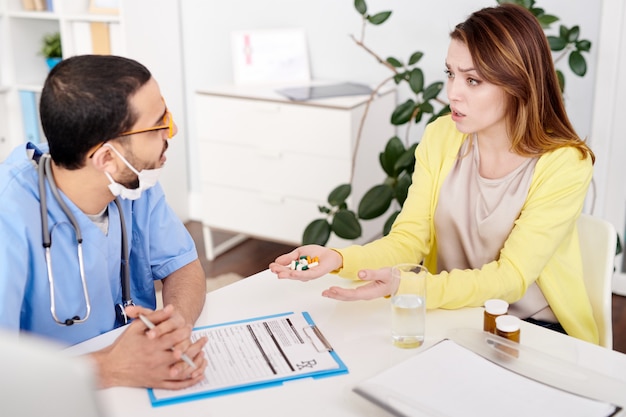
(267, 162)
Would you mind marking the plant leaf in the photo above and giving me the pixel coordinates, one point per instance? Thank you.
(414, 59)
(432, 91)
(583, 45)
(402, 188)
(379, 18)
(405, 161)
(402, 114)
(409, 169)
(346, 225)
(339, 194)
(416, 80)
(573, 33)
(395, 62)
(545, 20)
(375, 202)
(398, 78)
(440, 113)
(389, 222)
(427, 107)
(563, 31)
(393, 150)
(51, 46)
(556, 43)
(524, 3)
(316, 233)
(360, 6)
(561, 78)
(577, 63)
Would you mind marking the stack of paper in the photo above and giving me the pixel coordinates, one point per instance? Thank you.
(450, 380)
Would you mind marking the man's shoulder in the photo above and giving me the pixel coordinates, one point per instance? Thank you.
(18, 176)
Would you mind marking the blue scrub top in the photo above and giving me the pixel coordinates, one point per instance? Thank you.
(159, 245)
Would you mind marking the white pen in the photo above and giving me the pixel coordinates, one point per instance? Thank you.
(183, 356)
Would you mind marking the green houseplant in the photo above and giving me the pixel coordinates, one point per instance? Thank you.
(51, 49)
(398, 158)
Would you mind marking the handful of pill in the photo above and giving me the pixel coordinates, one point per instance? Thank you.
(304, 263)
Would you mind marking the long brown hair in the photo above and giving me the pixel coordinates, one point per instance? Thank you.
(509, 49)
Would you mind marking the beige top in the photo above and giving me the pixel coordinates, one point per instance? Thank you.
(475, 216)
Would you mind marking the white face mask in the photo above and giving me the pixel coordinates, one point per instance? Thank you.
(147, 179)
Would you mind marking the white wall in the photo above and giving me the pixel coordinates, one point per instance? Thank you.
(414, 25)
(607, 134)
(159, 51)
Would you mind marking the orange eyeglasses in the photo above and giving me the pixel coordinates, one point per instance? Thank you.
(168, 123)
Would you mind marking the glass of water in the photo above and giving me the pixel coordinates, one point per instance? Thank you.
(408, 305)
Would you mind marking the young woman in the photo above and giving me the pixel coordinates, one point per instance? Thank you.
(497, 188)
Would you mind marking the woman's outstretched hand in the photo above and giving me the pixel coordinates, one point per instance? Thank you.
(328, 261)
(379, 284)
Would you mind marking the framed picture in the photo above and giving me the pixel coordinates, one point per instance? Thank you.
(104, 6)
(270, 56)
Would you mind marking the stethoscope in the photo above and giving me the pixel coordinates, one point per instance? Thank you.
(120, 313)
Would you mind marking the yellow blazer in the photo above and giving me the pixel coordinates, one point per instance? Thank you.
(543, 245)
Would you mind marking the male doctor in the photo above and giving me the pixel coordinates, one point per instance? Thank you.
(107, 128)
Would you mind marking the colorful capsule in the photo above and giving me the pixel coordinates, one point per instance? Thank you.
(304, 263)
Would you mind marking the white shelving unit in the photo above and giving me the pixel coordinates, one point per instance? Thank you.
(22, 68)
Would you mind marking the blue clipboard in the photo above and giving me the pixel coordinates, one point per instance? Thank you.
(311, 334)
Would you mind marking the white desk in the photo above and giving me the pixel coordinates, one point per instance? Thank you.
(359, 332)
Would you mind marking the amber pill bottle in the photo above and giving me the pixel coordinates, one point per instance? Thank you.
(508, 327)
(493, 309)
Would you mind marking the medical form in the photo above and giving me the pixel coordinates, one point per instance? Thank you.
(257, 353)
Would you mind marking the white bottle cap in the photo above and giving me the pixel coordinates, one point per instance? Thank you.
(507, 323)
(496, 306)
